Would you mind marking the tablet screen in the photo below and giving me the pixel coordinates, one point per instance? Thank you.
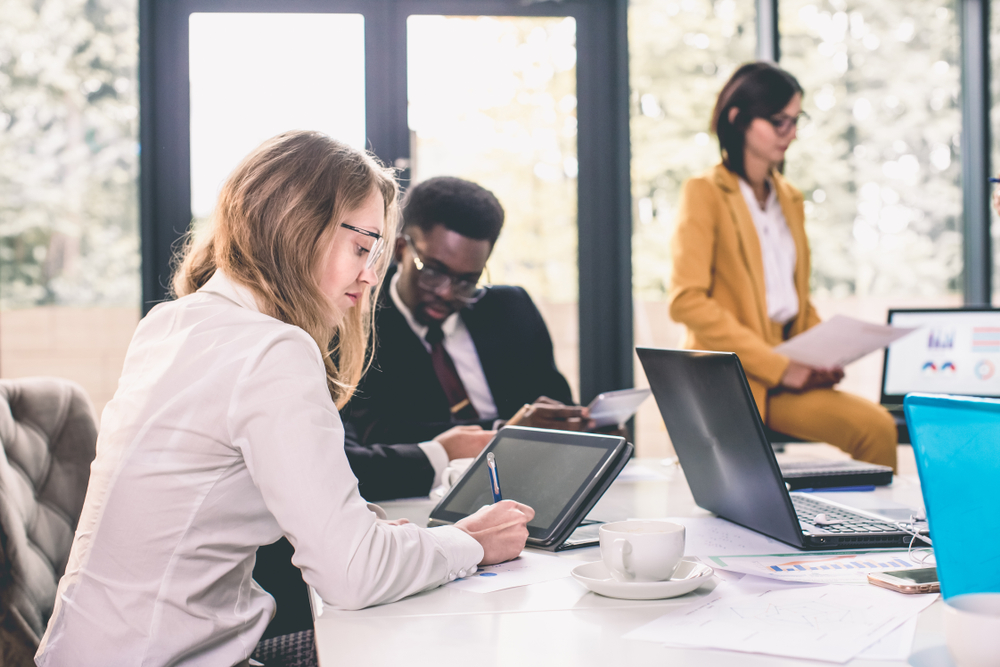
(549, 474)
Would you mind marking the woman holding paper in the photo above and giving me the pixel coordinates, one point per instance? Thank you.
(740, 277)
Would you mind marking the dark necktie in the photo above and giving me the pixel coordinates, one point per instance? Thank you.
(444, 368)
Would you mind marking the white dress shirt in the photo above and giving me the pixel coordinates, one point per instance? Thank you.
(461, 348)
(777, 248)
(222, 437)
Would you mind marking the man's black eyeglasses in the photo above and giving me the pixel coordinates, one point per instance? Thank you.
(431, 279)
(376, 250)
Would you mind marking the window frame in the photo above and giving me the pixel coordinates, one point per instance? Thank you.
(603, 182)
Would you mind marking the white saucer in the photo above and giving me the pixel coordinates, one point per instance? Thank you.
(688, 576)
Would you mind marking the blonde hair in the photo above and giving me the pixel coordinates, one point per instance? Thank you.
(277, 214)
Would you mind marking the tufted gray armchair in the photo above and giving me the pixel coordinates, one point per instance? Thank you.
(48, 437)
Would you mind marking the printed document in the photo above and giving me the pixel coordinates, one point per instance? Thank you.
(712, 536)
(831, 623)
(828, 568)
(528, 568)
(838, 341)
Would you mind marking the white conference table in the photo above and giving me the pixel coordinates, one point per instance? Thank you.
(561, 622)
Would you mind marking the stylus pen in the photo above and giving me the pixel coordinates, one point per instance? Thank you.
(491, 466)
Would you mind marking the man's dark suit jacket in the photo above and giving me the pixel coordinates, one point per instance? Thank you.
(401, 401)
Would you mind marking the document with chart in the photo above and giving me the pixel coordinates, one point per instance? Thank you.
(844, 568)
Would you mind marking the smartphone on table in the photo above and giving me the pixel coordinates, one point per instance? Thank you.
(918, 580)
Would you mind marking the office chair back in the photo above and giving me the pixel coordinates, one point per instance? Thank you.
(48, 438)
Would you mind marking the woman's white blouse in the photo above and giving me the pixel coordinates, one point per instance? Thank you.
(222, 437)
(777, 249)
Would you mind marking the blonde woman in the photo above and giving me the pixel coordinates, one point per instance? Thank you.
(224, 433)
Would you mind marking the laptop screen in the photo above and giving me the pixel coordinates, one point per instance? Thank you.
(956, 351)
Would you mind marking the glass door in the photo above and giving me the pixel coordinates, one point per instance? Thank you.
(528, 99)
(504, 115)
(253, 76)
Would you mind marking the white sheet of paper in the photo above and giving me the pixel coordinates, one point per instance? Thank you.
(838, 341)
(831, 623)
(712, 536)
(633, 473)
(835, 568)
(897, 645)
(528, 568)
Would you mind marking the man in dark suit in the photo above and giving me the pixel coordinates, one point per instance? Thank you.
(410, 415)
(451, 355)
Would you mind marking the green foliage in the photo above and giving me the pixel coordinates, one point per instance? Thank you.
(879, 161)
(681, 52)
(68, 153)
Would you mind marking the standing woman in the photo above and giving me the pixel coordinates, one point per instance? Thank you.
(740, 277)
(224, 432)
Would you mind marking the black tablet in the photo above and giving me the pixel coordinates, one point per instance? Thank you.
(560, 474)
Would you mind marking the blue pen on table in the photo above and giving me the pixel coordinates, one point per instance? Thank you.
(491, 467)
(994, 179)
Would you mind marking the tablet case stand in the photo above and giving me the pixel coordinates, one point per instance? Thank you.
(611, 474)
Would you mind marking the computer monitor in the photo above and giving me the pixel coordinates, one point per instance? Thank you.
(955, 351)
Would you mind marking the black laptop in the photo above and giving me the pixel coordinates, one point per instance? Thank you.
(719, 439)
(954, 351)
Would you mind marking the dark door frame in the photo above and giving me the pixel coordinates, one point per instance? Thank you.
(604, 185)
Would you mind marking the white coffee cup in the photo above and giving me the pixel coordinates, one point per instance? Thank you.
(972, 628)
(641, 550)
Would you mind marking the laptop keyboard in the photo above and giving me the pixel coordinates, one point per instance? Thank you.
(807, 507)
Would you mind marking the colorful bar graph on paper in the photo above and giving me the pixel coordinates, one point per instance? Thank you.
(852, 567)
(841, 563)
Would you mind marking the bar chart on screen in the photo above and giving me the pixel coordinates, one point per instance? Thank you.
(841, 568)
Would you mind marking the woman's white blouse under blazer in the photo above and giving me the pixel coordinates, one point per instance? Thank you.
(222, 437)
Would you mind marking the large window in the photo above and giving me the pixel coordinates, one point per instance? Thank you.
(680, 55)
(530, 112)
(256, 75)
(69, 243)
(534, 108)
(504, 115)
(879, 161)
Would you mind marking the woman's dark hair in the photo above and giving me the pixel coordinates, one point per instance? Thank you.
(758, 90)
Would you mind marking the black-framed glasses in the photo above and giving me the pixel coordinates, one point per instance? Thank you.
(783, 123)
(377, 248)
(432, 280)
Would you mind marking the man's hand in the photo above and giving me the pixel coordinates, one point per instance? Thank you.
(464, 442)
(801, 377)
(549, 413)
(501, 529)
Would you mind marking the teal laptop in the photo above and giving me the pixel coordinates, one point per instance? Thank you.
(956, 440)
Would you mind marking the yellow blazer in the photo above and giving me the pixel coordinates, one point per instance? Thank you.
(717, 281)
